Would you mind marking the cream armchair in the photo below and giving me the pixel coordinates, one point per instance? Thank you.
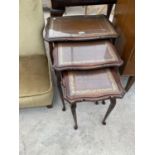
(34, 72)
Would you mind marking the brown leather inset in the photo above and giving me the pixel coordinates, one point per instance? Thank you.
(79, 28)
(85, 55)
(92, 85)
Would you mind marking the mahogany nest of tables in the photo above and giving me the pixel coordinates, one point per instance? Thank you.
(85, 60)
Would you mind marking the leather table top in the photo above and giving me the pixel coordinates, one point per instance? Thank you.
(84, 27)
(91, 85)
(85, 55)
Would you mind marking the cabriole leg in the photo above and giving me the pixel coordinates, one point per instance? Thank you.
(73, 110)
(110, 108)
(103, 102)
(96, 102)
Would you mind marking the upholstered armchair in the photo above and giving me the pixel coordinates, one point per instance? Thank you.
(35, 83)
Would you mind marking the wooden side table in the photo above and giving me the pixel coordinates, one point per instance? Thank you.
(85, 55)
(79, 28)
(92, 85)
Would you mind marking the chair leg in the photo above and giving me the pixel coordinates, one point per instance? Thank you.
(61, 96)
(49, 106)
(73, 110)
(110, 108)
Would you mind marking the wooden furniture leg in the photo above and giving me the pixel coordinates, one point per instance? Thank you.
(109, 9)
(103, 102)
(73, 110)
(130, 82)
(96, 102)
(49, 106)
(60, 90)
(58, 79)
(110, 108)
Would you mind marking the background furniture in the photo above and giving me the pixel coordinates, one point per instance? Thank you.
(58, 5)
(35, 85)
(124, 21)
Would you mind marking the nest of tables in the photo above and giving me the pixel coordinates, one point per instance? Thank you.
(85, 60)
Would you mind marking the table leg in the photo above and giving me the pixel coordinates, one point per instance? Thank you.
(96, 102)
(103, 102)
(130, 82)
(60, 90)
(109, 10)
(73, 110)
(58, 78)
(110, 108)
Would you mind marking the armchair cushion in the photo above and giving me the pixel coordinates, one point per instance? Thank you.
(34, 81)
(31, 23)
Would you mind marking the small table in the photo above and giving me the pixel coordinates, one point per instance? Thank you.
(85, 55)
(92, 85)
(79, 28)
